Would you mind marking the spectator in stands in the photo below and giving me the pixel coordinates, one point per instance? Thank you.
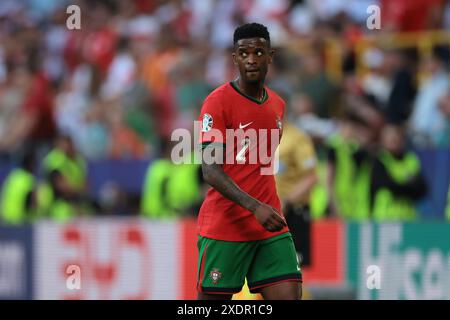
(417, 15)
(137, 114)
(427, 122)
(308, 121)
(93, 137)
(443, 139)
(316, 84)
(12, 95)
(364, 106)
(397, 181)
(124, 142)
(99, 45)
(191, 88)
(156, 71)
(34, 127)
(399, 66)
(121, 73)
(377, 83)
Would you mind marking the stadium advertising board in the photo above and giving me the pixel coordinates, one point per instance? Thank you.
(327, 254)
(399, 261)
(135, 259)
(15, 263)
(110, 259)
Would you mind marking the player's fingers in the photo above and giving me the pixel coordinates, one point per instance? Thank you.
(279, 219)
(276, 219)
(283, 219)
(267, 225)
(278, 227)
(272, 227)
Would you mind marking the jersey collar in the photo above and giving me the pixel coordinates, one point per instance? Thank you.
(264, 98)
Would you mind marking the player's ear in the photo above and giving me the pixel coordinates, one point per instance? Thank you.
(233, 55)
(271, 54)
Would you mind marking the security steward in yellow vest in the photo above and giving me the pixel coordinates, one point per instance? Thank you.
(62, 195)
(397, 181)
(295, 179)
(156, 202)
(17, 196)
(186, 187)
(349, 170)
(154, 199)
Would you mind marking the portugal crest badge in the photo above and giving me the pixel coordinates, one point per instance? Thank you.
(215, 275)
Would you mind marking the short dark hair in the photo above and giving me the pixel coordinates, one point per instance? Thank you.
(251, 30)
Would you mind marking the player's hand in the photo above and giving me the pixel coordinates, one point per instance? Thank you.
(269, 218)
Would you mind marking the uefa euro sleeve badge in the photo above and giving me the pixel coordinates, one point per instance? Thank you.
(207, 122)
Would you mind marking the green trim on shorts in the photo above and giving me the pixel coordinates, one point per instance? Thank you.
(224, 265)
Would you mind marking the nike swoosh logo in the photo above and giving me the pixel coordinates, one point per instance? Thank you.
(245, 125)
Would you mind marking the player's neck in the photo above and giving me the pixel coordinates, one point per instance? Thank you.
(254, 90)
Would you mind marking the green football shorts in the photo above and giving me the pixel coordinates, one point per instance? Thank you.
(224, 265)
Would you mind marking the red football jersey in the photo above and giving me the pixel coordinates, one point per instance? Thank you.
(257, 128)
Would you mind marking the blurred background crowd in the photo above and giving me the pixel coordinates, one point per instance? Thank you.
(86, 115)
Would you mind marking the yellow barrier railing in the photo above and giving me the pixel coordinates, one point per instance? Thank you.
(423, 41)
(333, 49)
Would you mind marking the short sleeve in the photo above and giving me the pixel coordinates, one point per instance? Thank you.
(212, 122)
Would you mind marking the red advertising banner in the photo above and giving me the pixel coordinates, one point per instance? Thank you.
(188, 257)
(328, 255)
(141, 259)
(116, 259)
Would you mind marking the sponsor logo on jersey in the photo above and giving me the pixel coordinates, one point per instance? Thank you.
(241, 126)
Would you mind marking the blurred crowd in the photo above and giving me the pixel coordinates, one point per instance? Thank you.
(138, 69)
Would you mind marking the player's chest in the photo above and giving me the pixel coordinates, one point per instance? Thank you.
(255, 118)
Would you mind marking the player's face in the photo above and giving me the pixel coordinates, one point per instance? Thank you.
(252, 56)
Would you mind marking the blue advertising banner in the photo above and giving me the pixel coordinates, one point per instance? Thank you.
(16, 263)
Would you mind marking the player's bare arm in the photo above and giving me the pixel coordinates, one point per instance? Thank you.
(266, 215)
